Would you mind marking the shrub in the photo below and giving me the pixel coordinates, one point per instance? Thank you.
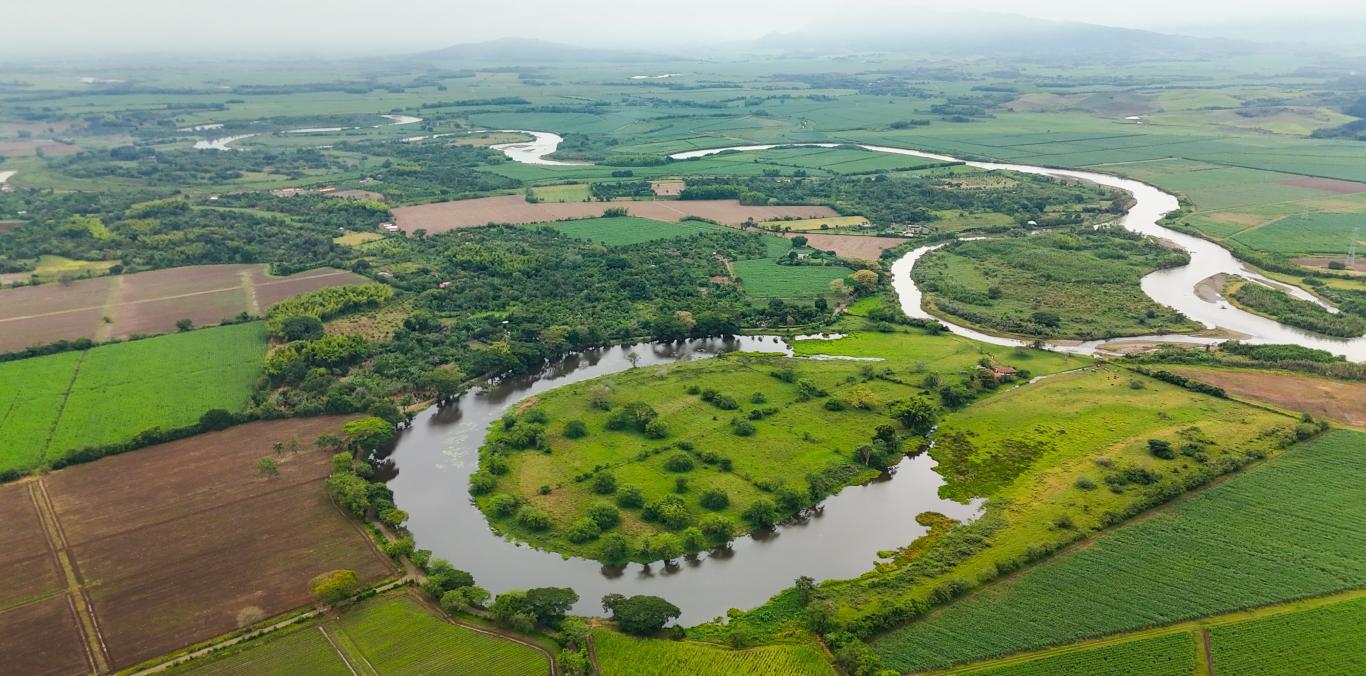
(656, 430)
(758, 398)
(1084, 483)
(715, 499)
(535, 519)
(604, 483)
(583, 530)
(834, 405)
(575, 429)
(482, 482)
(613, 548)
(334, 586)
(679, 462)
(761, 514)
(633, 416)
(605, 515)
(630, 496)
(1160, 448)
(503, 504)
(717, 527)
(742, 428)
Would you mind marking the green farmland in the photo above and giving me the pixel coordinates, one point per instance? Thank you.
(621, 655)
(1166, 655)
(765, 279)
(1323, 640)
(55, 404)
(1222, 550)
(392, 634)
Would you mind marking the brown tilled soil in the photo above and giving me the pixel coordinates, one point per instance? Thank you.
(514, 209)
(6, 226)
(1322, 262)
(27, 566)
(1344, 402)
(181, 542)
(148, 302)
(30, 148)
(850, 246)
(1332, 185)
(42, 638)
(667, 188)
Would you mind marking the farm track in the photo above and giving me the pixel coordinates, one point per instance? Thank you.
(96, 650)
(66, 396)
(1199, 625)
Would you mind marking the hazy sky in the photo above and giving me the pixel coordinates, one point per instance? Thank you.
(67, 26)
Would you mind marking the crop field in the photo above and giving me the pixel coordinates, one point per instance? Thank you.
(1223, 549)
(1323, 640)
(178, 543)
(1338, 400)
(514, 209)
(766, 279)
(809, 224)
(392, 634)
(108, 394)
(1166, 655)
(621, 655)
(148, 302)
(624, 230)
(1307, 234)
(570, 192)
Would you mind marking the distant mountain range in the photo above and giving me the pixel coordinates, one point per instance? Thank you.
(528, 51)
(966, 33)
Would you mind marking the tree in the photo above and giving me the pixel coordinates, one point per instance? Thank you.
(268, 466)
(640, 615)
(367, 434)
(715, 499)
(444, 382)
(613, 548)
(183, 325)
(805, 586)
(761, 513)
(857, 659)
(334, 586)
(351, 492)
(605, 515)
(301, 327)
(549, 604)
(799, 241)
(575, 429)
(216, 419)
(717, 527)
(864, 280)
(535, 519)
(604, 483)
(916, 415)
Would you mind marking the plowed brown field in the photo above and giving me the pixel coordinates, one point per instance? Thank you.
(514, 209)
(148, 302)
(1337, 400)
(850, 246)
(174, 544)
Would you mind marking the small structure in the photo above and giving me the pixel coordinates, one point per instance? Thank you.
(388, 227)
(1002, 371)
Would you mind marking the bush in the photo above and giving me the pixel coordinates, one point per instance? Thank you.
(482, 482)
(761, 514)
(633, 416)
(1160, 448)
(679, 462)
(656, 430)
(583, 530)
(335, 586)
(503, 504)
(834, 405)
(715, 499)
(630, 496)
(717, 527)
(640, 615)
(742, 428)
(613, 548)
(604, 483)
(1084, 483)
(605, 515)
(535, 519)
(575, 429)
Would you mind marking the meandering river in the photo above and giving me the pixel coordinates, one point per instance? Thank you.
(430, 464)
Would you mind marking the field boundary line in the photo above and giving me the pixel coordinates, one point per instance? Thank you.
(249, 289)
(1206, 652)
(85, 612)
(1194, 625)
(338, 650)
(106, 328)
(61, 410)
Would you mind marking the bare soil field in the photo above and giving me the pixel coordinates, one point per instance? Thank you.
(178, 543)
(668, 188)
(148, 302)
(42, 638)
(29, 148)
(26, 563)
(1342, 401)
(6, 226)
(1332, 185)
(850, 246)
(514, 209)
(1322, 262)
